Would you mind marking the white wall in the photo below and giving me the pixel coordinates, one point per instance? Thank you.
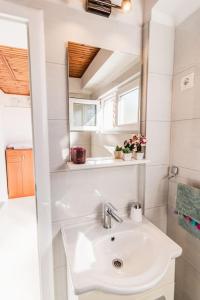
(3, 185)
(148, 5)
(7, 38)
(158, 115)
(16, 127)
(185, 151)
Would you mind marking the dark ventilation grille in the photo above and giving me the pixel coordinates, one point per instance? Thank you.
(101, 9)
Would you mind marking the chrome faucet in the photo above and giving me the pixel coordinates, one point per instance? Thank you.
(109, 212)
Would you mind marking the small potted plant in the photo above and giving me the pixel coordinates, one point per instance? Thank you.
(139, 142)
(127, 153)
(118, 152)
(136, 145)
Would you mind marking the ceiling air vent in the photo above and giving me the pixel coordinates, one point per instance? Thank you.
(102, 8)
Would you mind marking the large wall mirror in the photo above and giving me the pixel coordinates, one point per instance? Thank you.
(104, 98)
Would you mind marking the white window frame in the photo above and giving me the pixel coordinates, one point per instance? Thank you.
(72, 101)
(103, 100)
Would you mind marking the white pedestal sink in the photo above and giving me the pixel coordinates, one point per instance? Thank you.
(125, 262)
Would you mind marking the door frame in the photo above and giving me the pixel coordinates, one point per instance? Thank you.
(34, 19)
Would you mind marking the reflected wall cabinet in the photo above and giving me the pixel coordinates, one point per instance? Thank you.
(20, 173)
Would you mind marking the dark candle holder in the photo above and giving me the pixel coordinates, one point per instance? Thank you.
(78, 155)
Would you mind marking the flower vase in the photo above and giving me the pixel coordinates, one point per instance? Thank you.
(127, 156)
(138, 155)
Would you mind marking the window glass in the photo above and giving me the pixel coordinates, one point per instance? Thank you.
(84, 114)
(128, 107)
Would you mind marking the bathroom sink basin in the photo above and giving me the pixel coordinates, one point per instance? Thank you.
(127, 259)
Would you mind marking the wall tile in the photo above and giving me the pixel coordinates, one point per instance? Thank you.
(156, 189)
(57, 91)
(187, 43)
(158, 147)
(60, 279)
(187, 280)
(186, 104)
(159, 97)
(178, 294)
(158, 216)
(58, 251)
(55, 40)
(186, 144)
(81, 193)
(58, 144)
(161, 49)
(172, 192)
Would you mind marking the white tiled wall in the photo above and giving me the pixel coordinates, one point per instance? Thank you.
(58, 144)
(81, 193)
(160, 93)
(56, 91)
(158, 116)
(185, 150)
(156, 188)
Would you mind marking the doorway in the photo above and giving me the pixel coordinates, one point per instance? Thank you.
(42, 217)
(18, 221)
(15, 110)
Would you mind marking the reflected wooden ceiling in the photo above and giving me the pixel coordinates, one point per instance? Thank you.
(80, 57)
(14, 71)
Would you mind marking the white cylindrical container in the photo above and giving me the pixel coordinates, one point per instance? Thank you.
(136, 213)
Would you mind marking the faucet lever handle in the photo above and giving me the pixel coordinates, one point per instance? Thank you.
(109, 205)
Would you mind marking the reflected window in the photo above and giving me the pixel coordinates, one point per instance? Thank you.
(120, 108)
(128, 107)
(84, 114)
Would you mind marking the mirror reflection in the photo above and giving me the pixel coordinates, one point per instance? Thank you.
(104, 98)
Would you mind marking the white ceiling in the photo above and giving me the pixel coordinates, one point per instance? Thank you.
(112, 68)
(178, 10)
(14, 34)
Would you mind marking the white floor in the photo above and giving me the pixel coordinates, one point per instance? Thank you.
(19, 270)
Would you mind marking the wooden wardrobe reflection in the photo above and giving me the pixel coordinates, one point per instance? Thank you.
(20, 173)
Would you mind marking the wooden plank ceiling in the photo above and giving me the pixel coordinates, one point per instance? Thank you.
(14, 71)
(80, 56)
